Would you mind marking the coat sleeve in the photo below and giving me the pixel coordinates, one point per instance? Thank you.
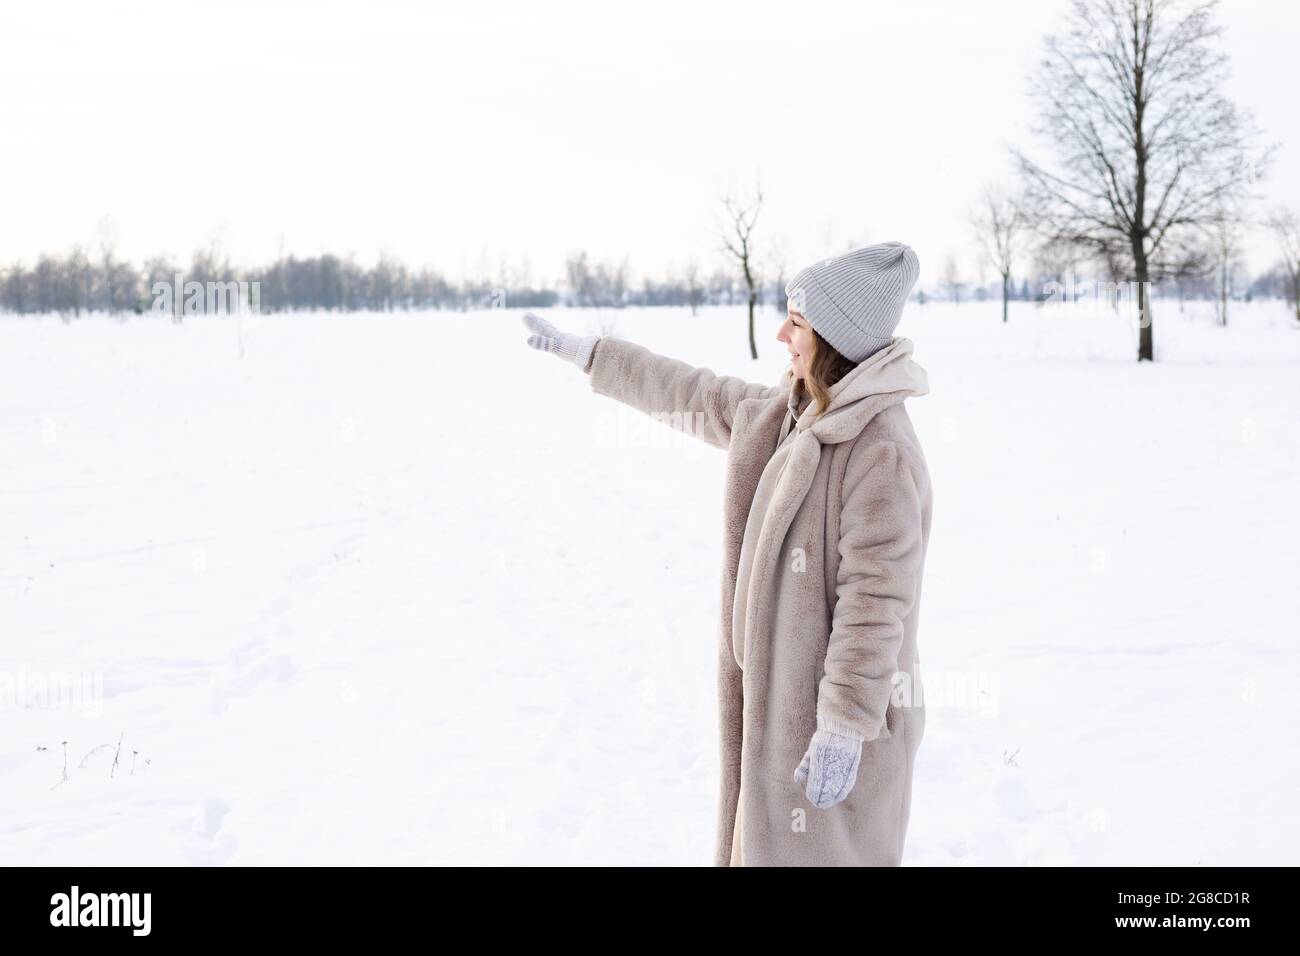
(881, 549)
(695, 401)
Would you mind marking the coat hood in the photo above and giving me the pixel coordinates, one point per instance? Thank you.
(884, 378)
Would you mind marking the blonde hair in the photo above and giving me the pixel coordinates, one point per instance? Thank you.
(825, 368)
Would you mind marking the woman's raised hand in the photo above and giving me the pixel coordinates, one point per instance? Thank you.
(547, 338)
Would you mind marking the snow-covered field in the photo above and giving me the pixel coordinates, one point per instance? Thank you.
(397, 589)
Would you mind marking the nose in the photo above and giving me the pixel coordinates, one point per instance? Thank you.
(781, 334)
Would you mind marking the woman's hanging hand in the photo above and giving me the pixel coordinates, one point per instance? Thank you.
(547, 338)
(829, 768)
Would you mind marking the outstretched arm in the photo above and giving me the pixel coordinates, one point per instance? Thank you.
(692, 400)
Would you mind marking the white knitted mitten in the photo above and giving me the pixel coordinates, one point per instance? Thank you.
(829, 768)
(572, 348)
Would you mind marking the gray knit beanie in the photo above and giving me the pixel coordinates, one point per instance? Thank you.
(854, 301)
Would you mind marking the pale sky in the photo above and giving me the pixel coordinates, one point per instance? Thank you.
(455, 133)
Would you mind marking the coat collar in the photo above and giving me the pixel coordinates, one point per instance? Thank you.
(884, 378)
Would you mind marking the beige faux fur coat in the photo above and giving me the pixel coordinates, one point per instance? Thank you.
(825, 536)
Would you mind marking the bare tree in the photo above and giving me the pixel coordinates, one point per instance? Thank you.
(598, 285)
(1055, 262)
(721, 287)
(1129, 98)
(111, 274)
(389, 283)
(952, 277)
(738, 241)
(1285, 225)
(578, 276)
(15, 289)
(778, 266)
(80, 276)
(694, 288)
(999, 224)
(613, 282)
(1224, 235)
(1190, 270)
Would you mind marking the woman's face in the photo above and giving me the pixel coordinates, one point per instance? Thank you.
(797, 335)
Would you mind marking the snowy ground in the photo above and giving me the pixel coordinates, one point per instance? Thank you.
(398, 589)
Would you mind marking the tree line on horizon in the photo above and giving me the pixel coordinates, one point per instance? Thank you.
(78, 283)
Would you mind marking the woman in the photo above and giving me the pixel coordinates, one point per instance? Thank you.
(827, 519)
